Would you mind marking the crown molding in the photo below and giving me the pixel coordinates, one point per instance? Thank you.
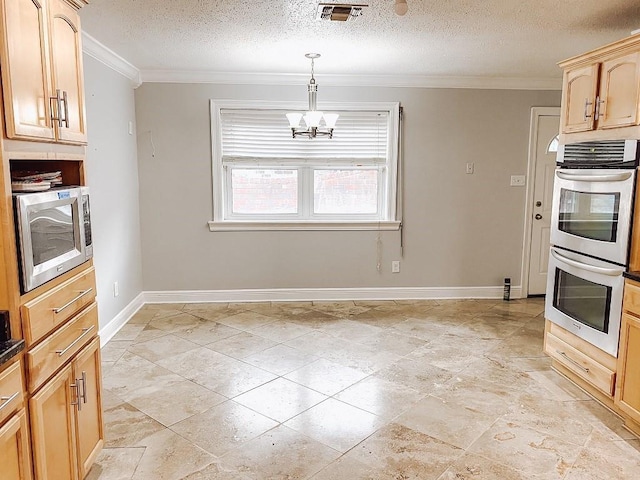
(416, 81)
(111, 59)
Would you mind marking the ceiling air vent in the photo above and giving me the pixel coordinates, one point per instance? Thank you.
(339, 12)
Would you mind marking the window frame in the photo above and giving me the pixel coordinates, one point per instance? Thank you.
(222, 171)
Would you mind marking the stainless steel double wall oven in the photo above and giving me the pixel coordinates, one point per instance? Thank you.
(593, 198)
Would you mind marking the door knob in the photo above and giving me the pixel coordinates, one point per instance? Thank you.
(538, 203)
(538, 216)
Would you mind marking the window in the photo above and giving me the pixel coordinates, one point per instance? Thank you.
(265, 179)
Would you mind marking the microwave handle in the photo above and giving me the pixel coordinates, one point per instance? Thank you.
(612, 272)
(612, 177)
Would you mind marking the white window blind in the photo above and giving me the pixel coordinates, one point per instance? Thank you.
(266, 134)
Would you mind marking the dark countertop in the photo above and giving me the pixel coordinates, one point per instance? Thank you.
(9, 349)
(632, 276)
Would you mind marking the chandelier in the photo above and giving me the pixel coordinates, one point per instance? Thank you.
(317, 123)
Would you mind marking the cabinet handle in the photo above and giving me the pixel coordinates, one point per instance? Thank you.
(84, 386)
(7, 400)
(65, 100)
(77, 403)
(70, 302)
(586, 108)
(599, 111)
(571, 360)
(57, 117)
(84, 332)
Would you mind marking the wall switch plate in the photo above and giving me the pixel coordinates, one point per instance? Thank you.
(470, 168)
(395, 266)
(518, 180)
(130, 128)
(116, 291)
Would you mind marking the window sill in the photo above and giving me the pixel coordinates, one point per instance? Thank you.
(231, 226)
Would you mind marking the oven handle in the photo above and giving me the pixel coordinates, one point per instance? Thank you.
(612, 177)
(612, 272)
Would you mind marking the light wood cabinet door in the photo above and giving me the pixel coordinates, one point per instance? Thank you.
(89, 425)
(619, 93)
(66, 58)
(15, 457)
(25, 69)
(578, 102)
(628, 385)
(53, 435)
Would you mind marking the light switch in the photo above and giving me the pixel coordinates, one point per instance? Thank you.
(518, 180)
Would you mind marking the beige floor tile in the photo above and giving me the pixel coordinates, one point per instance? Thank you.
(170, 405)
(280, 399)
(339, 309)
(281, 331)
(216, 471)
(450, 422)
(477, 394)
(113, 350)
(416, 374)
(207, 332)
(125, 426)
(242, 345)
(486, 326)
(523, 343)
(132, 373)
(115, 464)
(280, 359)
(366, 358)
(142, 316)
(174, 323)
(128, 332)
(212, 311)
(526, 449)
(168, 456)
(603, 459)
(551, 385)
(162, 347)
(532, 307)
(344, 468)
(381, 397)
(223, 427)
(280, 454)
(217, 372)
(247, 320)
(149, 333)
(447, 356)
(474, 467)
(336, 424)
(497, 371)
(393, 342)
(605, 422)
(326, 377)
(398, 452)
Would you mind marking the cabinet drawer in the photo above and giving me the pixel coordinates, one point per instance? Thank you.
(46, 312)
(10, 391)
(580, 364)
(59, 348)
(631, 300)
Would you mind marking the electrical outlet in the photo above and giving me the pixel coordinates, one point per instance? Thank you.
(116, 291)
(518, 180)
(395, 266)
(469, 168)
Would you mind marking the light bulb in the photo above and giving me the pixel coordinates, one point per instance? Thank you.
(294, 119)
(400, 7)
(330, 119)
(312, 118)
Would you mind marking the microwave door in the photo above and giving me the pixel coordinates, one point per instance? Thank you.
(50, 240)
(591, 212)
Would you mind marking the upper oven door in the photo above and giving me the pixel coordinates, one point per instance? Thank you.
(591, 212)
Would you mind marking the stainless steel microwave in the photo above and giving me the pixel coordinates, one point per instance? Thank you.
(53, 232)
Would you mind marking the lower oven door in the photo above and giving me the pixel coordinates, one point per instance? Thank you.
(591, 211)
(584, 296)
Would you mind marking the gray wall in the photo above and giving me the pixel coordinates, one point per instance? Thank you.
(460, 230)
(112, 174)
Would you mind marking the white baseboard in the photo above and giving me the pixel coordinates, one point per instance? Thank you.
(298, 295)
(110, 329)
(326, 294)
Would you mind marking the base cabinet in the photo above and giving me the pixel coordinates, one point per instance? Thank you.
(628, 388)
(66, 419)
(15, 455)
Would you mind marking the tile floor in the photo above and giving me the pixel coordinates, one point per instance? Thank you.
(351, 390)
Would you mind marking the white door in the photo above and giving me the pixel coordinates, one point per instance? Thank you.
(546, 146)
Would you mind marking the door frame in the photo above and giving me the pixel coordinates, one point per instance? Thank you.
(536, 113)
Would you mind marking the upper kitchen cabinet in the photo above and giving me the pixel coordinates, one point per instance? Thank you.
(601, 93)
(42, 79)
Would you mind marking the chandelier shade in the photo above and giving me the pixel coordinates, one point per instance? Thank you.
(316, 122)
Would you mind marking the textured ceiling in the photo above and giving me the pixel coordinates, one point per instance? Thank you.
(436, 38)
